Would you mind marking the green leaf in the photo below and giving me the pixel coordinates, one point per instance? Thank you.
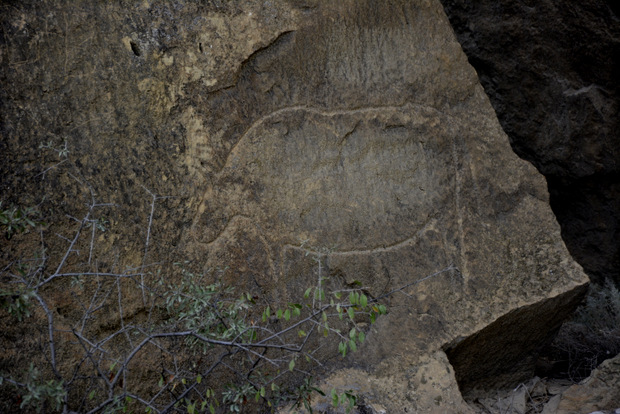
(279, 314)
(352, 345)
(318, 390)
(382, 309)
(287, 315)
(361, 337)
(363, 300)
(373, 317)
(324, 316)
(199, 379)
(352, 333)
(291, 365)
(352, 298)
(262, 392)
(351, 313)
(335, 398)
(307, 293)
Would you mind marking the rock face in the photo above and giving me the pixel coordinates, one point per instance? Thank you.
(355, 125)
(551, 72)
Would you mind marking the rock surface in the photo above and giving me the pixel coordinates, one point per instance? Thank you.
(551, 72)
(599, 392)
(354, 125)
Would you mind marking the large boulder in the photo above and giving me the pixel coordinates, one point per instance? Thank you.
(357, 126)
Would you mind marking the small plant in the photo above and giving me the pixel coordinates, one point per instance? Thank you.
(62, 150)
(348, 399)
(100, 224)
(304, 393)
(17, 220)
(17, 303)
(236, 396)
(42, 393)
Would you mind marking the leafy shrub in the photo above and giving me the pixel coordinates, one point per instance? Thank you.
(261, 352)
(191, 344)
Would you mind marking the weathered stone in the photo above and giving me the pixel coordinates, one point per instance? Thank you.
(600, 391)
(355, 125)
(551, 72)
(482, 365)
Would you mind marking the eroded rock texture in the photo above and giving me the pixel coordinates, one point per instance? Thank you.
(601, 391)
(355, 125)
(551, 71)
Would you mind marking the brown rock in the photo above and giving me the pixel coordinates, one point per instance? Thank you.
(355, 125)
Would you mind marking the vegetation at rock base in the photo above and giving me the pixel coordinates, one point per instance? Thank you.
(84, 334)
(218, 350)
(590, 337)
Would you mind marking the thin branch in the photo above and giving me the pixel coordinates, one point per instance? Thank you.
(148, 236)
(50, 328)
(50, 168)
(67, 253)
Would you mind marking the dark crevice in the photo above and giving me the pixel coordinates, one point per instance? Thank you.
(281, 39)
(505, 353)
(551, 75)
(550, 70)
(134, 48)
